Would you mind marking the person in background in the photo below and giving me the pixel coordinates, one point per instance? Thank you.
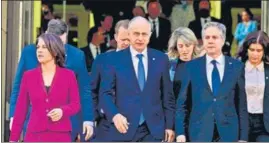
(138, 11)
(244, 28)
(122, 38)
(161, 28)
(255, 55)
(182, 48)
(47, 15)
(52, 91)
(74, 59)
(182, 14)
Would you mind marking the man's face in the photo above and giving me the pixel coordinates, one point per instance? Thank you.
(122, 38)
(139, 35)
(137, 11)
(213, 41)
(154, 10)
(107, 23)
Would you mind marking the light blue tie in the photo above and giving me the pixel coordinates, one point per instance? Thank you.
(141, 80)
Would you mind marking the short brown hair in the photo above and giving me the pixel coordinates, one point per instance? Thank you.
(55, 47)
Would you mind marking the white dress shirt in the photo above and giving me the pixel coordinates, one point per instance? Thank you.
(209, 68)
(255, 84)
(156, 25)
(205, 20)
(136, 60)
(94, 49)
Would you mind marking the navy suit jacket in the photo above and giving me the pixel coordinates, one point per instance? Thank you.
(76, 62)
(97, 70)
(228, 108)
(156, 100)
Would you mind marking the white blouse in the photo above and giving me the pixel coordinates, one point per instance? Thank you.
(255, 84)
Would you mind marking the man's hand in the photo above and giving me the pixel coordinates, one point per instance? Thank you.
(169, 135)
(120, 123)
(55, 114)
(88, 129)
(10, 123)
(181, 138)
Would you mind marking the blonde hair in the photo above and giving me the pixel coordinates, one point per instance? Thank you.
(187, 37)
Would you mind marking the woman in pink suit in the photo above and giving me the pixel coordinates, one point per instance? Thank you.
(53, 93)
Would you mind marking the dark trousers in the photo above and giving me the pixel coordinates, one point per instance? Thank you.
(216, 136)
(143, 134)
(257, 131)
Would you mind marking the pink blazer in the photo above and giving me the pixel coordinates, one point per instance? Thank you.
(63, 93)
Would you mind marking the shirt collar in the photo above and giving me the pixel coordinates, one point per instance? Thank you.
(220, 59)
(250, 67)
(208, 18)
(134, 52)
(156, 20)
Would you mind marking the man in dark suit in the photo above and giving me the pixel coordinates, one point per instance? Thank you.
(75, 61)
(203, 17)
(161, 28)
(136, 91)
(122, 38)
(94, 48)
(219, 110)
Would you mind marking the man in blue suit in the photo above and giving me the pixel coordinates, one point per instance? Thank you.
(136, 91)
(75, 61)
(218, 108)
(122, 38)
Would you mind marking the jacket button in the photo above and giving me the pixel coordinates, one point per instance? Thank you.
(47, 100)
(215, 100)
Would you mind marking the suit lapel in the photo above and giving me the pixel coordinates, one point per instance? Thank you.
(266, 72)
(150, 68)
(130, 69)
(204, 75)
(42, 83)
(228, 68)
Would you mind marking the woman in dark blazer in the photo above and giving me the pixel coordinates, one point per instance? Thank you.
(182, 47)
(52, 91)
(255, 55)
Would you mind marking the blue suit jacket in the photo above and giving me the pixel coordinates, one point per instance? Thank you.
(97, 69)
(228, 108)
(156, 100)
(76, 62)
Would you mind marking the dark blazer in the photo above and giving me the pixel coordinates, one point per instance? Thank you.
(88, 57)
(161, 43)
(266, 99)
(196, 26)
(156, 100)
(98, 68)
(63, 93)
(228, 108)
(75, 61)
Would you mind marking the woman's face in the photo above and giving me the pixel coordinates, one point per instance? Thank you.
(245, 16)
(42, 52)
(255, 53)
(185, 51)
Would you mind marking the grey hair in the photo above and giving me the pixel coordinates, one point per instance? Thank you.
(57, 26)
(187, 36)
(221, 27)
(138, 18)
(121, 23)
